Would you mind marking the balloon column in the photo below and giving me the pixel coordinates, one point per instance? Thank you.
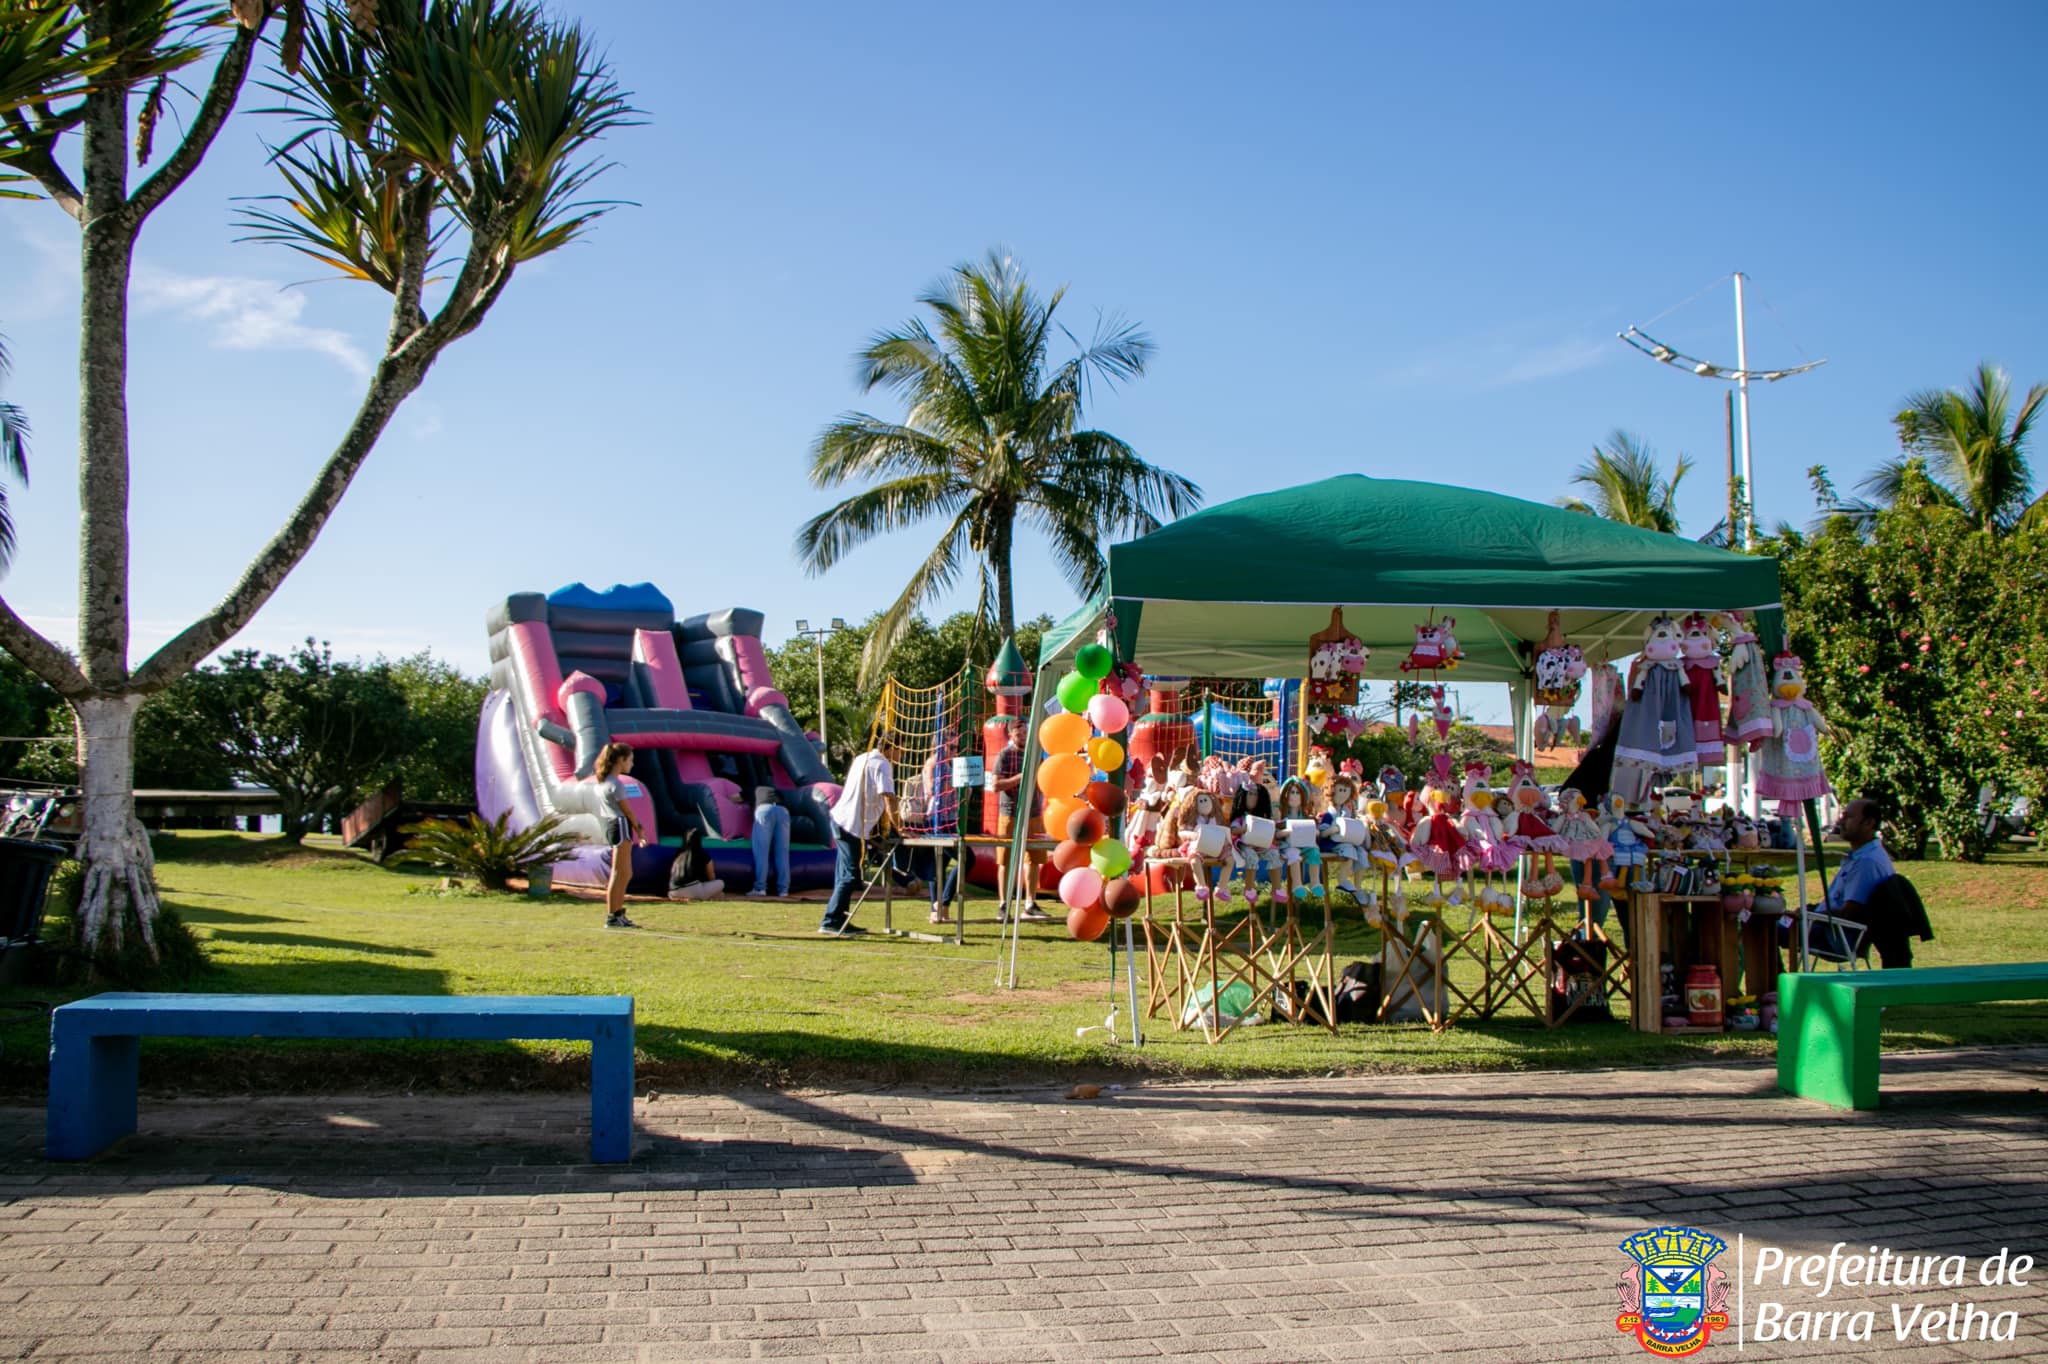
(1080, 741)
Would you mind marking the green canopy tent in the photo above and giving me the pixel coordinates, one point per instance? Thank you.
(1236, 590)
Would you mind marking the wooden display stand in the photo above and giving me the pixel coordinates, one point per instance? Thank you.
(1694, 930)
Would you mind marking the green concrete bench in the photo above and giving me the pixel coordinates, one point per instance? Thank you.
(1828, 1021)
(95, 1045)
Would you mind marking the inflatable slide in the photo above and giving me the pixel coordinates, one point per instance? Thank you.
(575, 669)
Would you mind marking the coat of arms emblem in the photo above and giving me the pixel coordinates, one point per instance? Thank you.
(1673, 1297)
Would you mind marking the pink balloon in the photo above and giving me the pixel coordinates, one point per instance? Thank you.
(1108, 714)
(1081, 888)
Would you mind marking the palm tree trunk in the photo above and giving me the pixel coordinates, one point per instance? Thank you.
(999, 564)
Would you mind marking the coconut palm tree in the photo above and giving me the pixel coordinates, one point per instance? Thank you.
(1627, 485)
(1974, 444)
(13, 459)
(993, 435)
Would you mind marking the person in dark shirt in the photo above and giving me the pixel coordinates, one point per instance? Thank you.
(1009, 777)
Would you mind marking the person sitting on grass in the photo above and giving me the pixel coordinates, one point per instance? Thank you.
(866, 806)
(691, 876)
(622, 831)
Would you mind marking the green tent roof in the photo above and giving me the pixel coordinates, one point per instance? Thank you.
(1237, 590)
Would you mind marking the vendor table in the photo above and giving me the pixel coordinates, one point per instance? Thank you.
(956, 907)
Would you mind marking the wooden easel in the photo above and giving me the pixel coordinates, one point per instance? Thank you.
(1288, 952)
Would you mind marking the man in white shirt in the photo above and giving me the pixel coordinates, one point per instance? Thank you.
(866, 805)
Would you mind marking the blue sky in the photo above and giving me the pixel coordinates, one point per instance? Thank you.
(1389, 240)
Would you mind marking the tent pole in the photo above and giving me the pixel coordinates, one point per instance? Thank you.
(1520, 699)
(1020, 826)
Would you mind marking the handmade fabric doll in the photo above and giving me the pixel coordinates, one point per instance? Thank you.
(1559, 670)
(1791, 766)
(1255, 801)
(1584, 843)
(1318, 770)
(1657, 727)
(1749, 695)
(1386, 847)
(1304, 860)
(1437, 840)
(1701, 658)
(1626, 835)
(1486, 847)
(1530, 832)
(1193, 811)
(1436, 648)
(1337, 850)
(1149, 807)
(1608, 696)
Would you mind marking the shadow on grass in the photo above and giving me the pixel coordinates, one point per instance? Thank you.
(308, 940)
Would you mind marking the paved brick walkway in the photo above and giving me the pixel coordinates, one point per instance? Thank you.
(1466, 1217)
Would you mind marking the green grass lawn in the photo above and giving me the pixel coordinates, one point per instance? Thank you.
(744, 991)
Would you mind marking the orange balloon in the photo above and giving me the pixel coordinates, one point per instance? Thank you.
(1064, 733)
(1058, 812)
(1063, 775)
(1086, 925)
(1070, 855)
(1107, 755)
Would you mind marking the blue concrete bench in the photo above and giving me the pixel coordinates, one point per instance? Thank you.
(95, 1044)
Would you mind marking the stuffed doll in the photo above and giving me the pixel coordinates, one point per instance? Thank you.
(1657, 726)
(1749, 694)
(1303, 859)
(1148, 807)
(1254, 800)
(1559, 669)
(1609, 695)
(1437, 840)
(1318, 771)
(1436, 648)
(1192, 812)
(1386, 847)
(1584, 843)
(1627, 836)
(1531, 833)
(1486, 847)
(1340, 852)
(1697, 649)
(1791, 765)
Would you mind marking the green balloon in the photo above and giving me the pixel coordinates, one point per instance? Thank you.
(1094, 662)
(1109, 857)
(1075, 692)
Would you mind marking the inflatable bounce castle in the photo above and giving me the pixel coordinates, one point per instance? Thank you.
(575, 669)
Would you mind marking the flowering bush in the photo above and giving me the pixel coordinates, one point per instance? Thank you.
(1924, 644)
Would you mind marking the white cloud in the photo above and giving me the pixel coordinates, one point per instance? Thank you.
(246, 314)
(1498, 359)
(45, 284)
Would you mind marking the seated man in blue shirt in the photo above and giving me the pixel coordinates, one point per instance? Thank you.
(1868, 866)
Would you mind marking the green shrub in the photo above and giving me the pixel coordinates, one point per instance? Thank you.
(487, 850)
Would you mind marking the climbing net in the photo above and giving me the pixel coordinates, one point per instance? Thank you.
(931, 727)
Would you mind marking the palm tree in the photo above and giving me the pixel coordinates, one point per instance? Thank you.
(13, 459)
(993, 434)
(1627, 485)
(1974, 446)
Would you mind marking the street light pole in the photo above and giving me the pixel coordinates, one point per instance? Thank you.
(817, 636)
(1742, 401)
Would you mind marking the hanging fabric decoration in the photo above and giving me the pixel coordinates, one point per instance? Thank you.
(1436, 648)
(1336, 663)
(1559, 670)
(1791, 759)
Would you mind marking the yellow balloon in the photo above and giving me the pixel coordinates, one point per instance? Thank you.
(1064, 733)
(1106, 754)
(1063, 775)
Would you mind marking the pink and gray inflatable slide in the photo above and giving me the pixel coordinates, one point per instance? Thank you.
(575, 669)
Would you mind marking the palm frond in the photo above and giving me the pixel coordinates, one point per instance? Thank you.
(939, 571)
(896, 505)
(861, 446)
